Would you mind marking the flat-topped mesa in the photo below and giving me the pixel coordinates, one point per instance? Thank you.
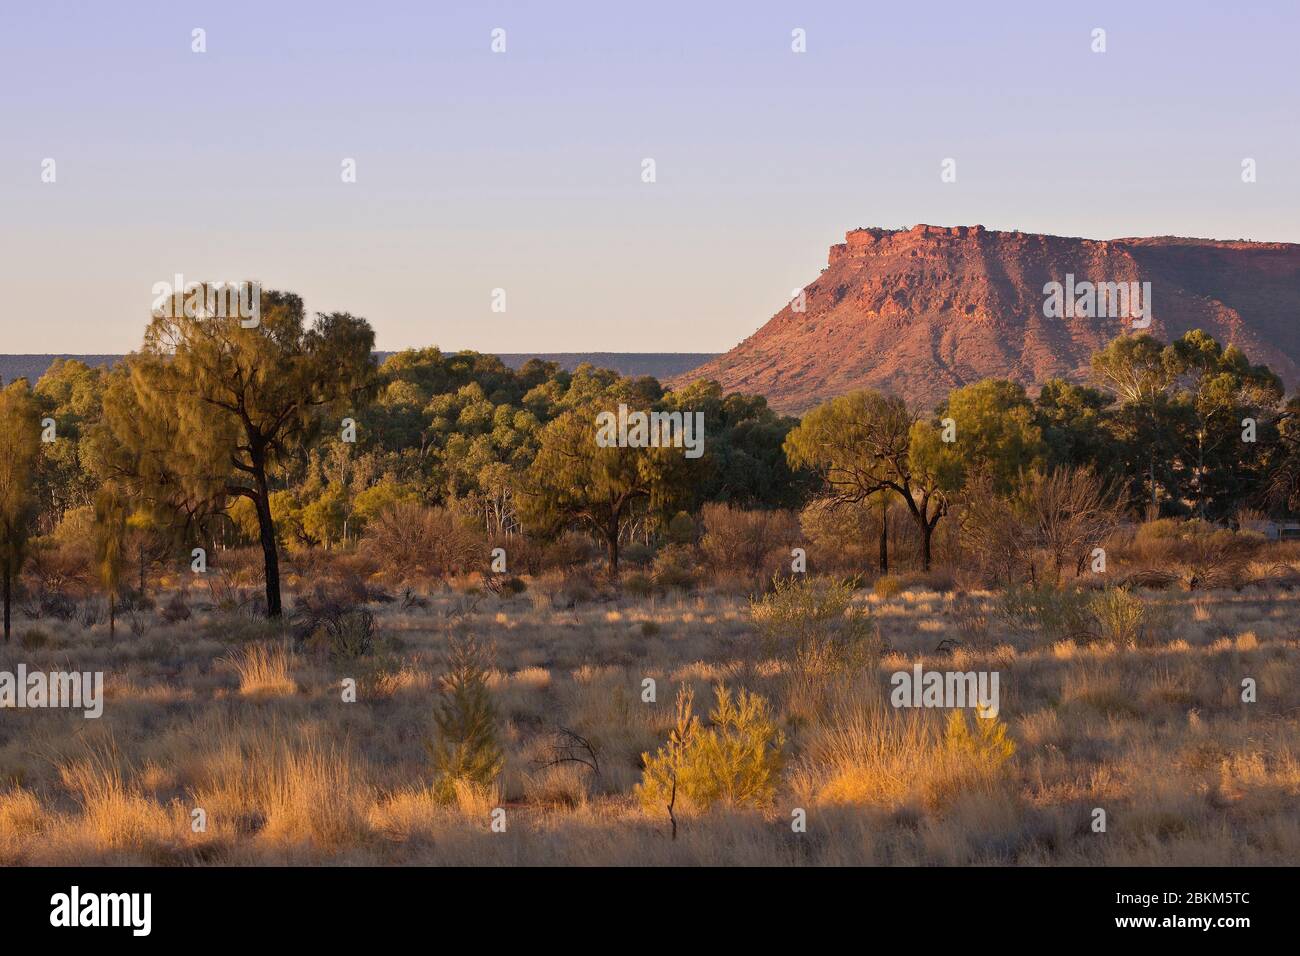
(861, 242)
(919, 311)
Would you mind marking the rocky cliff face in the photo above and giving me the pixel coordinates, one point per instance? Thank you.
(918, 312)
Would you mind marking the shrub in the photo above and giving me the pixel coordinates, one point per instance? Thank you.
(1124, 618)
(340, 630)
(33, 639)
(681, 529)
(465, 751)
(739, 540)
(888, 586)
(843, 534)
(988, 750)
(410, 540)
(1058, 614)
(637, 555)
(816, 624)
(735, 761)
(55, 604)
(570, 550)
(968, 759)
(1206, 556)
(511, 585)
(674, 567)
(638, 585)
(1119, 615)
(176, 609)
(940, 581)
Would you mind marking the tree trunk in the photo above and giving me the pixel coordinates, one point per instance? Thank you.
(112, 614)
(270, 554)
(8, 598)
(1151, 474)
(884, 538)
(927, 530)
(611, 535)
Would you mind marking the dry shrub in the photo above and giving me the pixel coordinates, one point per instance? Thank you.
(1049, 524)
(1056, 614)
(176, 609)
(739, 540)
(58, 566)
(816, 626)
(1204, 555)
(569, 551)
(412, 541)
(674, 567)
(841, 536)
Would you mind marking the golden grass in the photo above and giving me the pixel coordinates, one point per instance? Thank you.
(285, 770)
(264, 670)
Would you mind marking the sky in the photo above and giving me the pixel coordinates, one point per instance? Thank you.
(523, 170)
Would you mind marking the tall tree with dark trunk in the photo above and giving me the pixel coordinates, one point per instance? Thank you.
(20, 445)
(213, 405)
(858, 445)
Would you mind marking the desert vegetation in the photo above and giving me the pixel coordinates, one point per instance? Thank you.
(413, 614)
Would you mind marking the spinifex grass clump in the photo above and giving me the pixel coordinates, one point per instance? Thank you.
(465, 752)
(735, 761)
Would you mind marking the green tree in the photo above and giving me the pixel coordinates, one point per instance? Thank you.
(858, 445)
(20, 445)
(209, 410)
(995, 432)
(1077, 426)
(1137, 371)
(1220, 389)
(574, 479)
(110, 531)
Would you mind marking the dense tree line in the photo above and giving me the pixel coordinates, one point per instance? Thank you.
(289, 435)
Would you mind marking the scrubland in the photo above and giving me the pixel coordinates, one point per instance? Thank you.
(1128, 700)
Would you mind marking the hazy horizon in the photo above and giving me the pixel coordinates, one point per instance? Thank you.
(520, 171)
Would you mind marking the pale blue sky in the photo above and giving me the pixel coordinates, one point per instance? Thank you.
(522, 170)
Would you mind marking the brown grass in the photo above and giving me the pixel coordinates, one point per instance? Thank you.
(207, 714)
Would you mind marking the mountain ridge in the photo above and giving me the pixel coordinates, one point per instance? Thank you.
(919, 311)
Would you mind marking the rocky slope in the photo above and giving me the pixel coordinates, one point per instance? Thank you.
(917, 312)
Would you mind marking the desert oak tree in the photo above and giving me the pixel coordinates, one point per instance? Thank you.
(208, 409)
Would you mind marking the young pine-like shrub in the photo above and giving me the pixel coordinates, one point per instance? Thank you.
(735, 761)
(987, 747)
(968, 759)
(465, 752)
